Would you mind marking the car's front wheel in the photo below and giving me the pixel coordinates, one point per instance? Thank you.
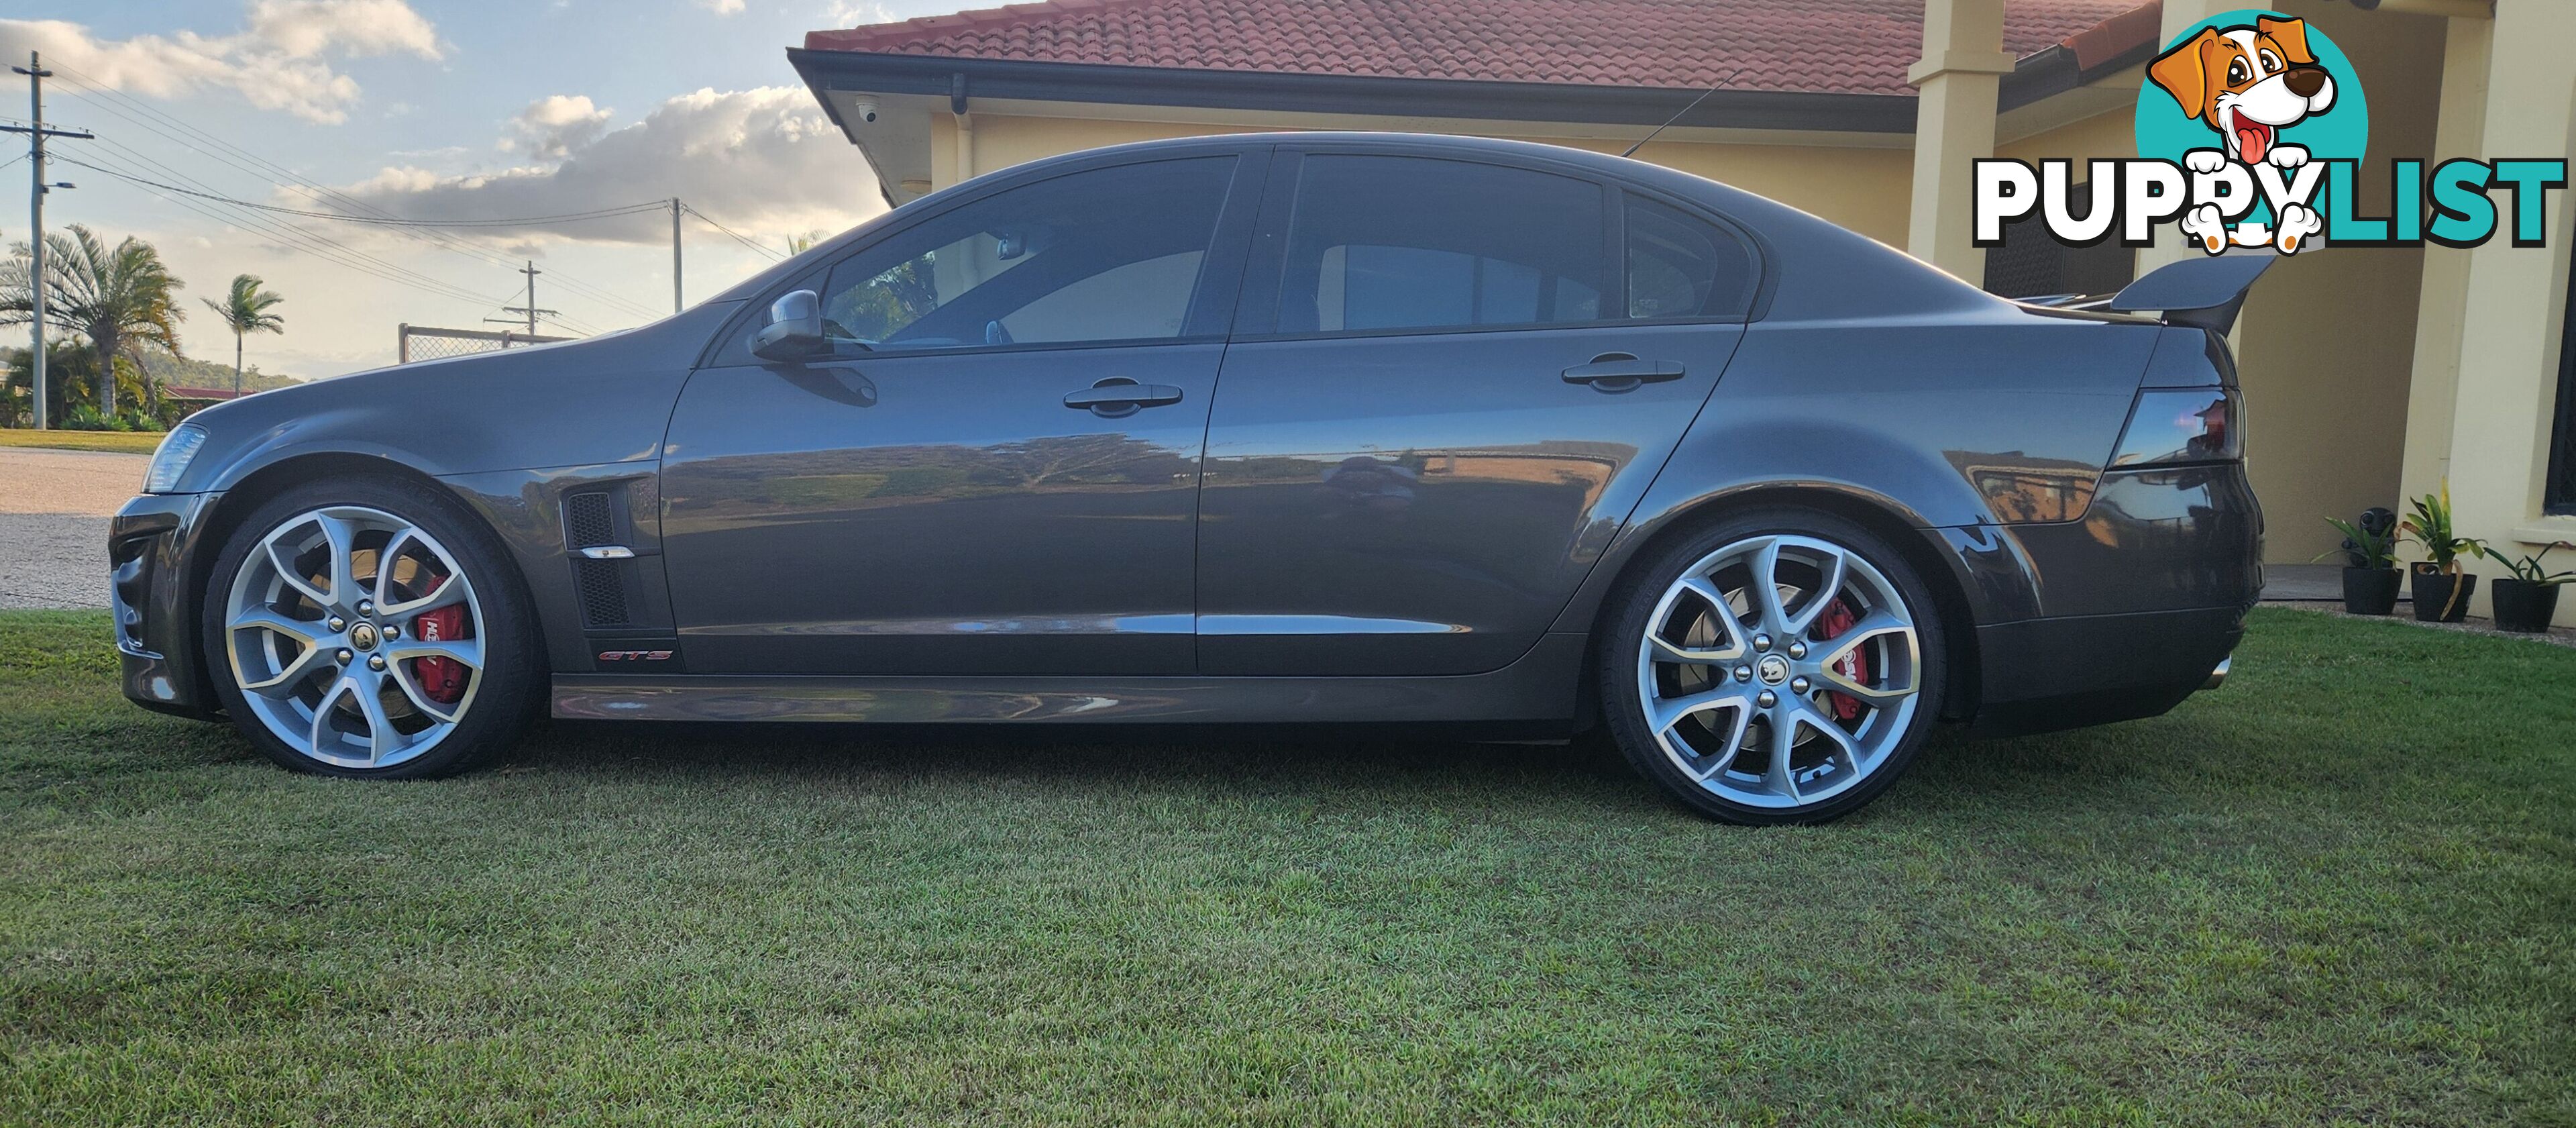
(369, 627)
(1780, 666)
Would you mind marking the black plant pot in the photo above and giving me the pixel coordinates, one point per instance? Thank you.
(2434, 601)
(2370, 591)
(2523, 606)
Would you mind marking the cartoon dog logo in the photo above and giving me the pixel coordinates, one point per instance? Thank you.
(2248, 84)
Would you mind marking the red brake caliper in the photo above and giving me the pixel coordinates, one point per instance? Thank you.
(1839, 618)
(442, 679)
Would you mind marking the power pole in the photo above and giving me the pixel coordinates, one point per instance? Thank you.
(675, 254)
(36, 189)
(529, 309)
(531, 271)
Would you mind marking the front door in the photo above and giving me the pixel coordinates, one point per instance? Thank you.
(996, 471)
(1443, 400)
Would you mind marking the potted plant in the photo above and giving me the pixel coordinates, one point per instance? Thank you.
(2369, 553)
(2441, 588)
(2527, 601)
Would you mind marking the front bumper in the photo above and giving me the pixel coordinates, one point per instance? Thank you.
(155, 567)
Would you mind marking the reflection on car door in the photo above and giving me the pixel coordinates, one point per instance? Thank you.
(1442, 400)
(996, 470)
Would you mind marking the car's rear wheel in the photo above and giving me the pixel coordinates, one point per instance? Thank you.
(1780, 666)
(369, 627)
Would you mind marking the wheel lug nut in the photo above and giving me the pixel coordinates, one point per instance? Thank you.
(1798, 685)
(1797, 650)
(392, 632)
(1767, 700)
(375, 661)
(1762, 642)
(366, 607)
(344, 655)
(1744, 673)
(336, 623)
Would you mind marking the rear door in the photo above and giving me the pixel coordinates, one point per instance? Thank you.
(1450, 383)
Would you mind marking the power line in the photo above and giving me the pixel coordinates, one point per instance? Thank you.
(297, 239)
(430, 237)
(224, 152)
(735, 235)
(529, 221)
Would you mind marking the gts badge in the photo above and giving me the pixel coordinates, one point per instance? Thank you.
(635, 655)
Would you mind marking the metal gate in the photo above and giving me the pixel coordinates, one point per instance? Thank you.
(421, 342)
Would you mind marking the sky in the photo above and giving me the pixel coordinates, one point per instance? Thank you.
(428, 109)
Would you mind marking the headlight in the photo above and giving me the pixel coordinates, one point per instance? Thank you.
(171, 461)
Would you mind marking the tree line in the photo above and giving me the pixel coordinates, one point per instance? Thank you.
(108, 309)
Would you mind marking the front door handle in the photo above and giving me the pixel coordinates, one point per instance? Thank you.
(1119, 396)
(1619, 372)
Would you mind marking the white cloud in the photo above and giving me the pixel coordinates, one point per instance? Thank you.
(553, 126)
(765, 162)
(721, 7)
(858, 13)
(282, 59)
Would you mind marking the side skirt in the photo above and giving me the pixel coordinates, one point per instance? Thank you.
(1540, 686)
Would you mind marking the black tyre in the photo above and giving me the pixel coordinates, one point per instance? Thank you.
(1795, 700)
(371, 627)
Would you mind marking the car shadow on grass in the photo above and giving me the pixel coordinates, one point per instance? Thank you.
(1402, 764)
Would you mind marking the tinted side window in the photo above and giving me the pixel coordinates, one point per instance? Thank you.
(1107, 255)
(1679, 266)
(1417, 243)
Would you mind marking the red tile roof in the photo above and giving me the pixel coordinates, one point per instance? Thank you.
(1815, 46)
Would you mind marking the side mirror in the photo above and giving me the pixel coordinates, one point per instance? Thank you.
(795, 329)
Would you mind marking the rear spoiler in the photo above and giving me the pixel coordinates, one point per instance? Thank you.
(2201, 292)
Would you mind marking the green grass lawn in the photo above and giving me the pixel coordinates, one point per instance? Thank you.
(2342, 889)
(129, 442)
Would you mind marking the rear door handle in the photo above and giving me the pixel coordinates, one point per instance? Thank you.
(1119, 396)
(1618, 372)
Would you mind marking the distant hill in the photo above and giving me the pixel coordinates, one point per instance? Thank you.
(183, 372)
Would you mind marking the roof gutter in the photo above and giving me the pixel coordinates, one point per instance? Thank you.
(936, 75)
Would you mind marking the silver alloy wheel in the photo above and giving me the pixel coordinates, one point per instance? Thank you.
(322, 628)
(1759, 688)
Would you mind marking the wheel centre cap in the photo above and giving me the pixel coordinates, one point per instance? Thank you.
(1772, 669)
(363, 636)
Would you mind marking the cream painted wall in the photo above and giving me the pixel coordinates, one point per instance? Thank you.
(2105, 136)
(2432, 397)
(2327, 349)
(1860, 188)
(2517, 301)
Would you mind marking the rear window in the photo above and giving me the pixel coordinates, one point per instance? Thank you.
(1392, 243)
(1682, 266)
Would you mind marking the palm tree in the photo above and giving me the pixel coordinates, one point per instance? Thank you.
(117, 297)
(244, 310)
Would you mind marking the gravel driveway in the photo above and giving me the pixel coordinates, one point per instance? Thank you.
(54, 506)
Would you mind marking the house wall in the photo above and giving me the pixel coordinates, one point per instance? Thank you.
(2327, 347)
(2513, 324)
(1864, 189)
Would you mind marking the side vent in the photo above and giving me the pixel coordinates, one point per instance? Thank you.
(603, 592)
(590, 520)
